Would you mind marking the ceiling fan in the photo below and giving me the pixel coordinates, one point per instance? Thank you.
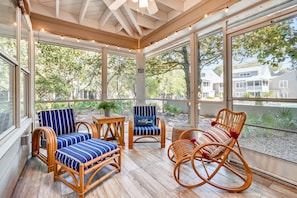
(149, 4)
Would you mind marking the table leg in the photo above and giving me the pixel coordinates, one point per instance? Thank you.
(107, 130)
(122, 139)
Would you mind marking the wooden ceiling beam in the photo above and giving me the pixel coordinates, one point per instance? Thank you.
(83, 10)
(118, 14)
(104, 18)
(60, 27)
(133, 19)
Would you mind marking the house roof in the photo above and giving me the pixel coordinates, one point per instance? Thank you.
(252, 73)
(210, 75)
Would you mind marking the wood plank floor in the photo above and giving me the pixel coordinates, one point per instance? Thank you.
(146, 172)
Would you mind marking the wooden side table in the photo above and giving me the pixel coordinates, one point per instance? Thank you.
(114, 126)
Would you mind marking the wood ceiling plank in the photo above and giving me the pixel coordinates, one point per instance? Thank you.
(152, 7)
(121, 18)
(57, 8)
(116, 4)
(104, 18)
(190, 3)
(174, 4)
(192, 16)
(51, 12)
(145, 22)
(133, 19)
(83, 10)
(160, 15)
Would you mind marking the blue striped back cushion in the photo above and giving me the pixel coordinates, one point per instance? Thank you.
(61, 120)
(145, 111)
(80, 153)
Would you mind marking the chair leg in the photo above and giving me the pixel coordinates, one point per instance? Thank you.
(163, 143)
(163, 139)
(130, 139)
(35, 145)
(163, 134)
(170, 154)
(241, 177)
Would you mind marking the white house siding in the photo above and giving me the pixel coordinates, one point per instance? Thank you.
(291, 90)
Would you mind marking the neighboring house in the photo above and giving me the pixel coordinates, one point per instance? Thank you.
(211, 84)
(251, 80)
(255, 81)
(283, 86)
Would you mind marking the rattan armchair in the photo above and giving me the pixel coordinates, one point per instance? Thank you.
(214, 157)
(146, 124)
(57, 129)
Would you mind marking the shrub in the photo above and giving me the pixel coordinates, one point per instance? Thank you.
(172, 109)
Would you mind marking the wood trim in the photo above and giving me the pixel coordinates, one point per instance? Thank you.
(59, 27)
(190, 17)
(24, 6)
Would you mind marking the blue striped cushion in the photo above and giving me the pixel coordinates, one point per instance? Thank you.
(76, 154)
(69, 139)
(144, 120)
(147, 130)
(61, 120)
(145, 111)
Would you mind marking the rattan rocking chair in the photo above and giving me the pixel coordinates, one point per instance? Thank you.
(214, 157)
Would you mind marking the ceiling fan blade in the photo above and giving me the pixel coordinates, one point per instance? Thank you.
(116, 4)
(152, 7)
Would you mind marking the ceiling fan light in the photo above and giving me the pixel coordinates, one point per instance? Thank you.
(143, 3)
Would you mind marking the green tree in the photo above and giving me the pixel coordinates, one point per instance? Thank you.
(62, 72)
(271, 44)
(156, 67)
(121, 77)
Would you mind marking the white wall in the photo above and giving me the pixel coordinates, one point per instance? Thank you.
(13, 160)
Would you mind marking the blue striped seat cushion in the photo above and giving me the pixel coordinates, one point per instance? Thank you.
(76, 154)
(69, 139)
(147, 130)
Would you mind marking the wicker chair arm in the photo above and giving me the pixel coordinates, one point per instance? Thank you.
(194, 131)
(50, 135)
(201, 146)
(51, 145)
(130, 124)
(91, 128)
(160, 122)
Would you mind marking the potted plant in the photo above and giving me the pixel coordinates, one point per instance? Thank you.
(107, 106)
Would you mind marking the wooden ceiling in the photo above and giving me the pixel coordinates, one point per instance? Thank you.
(120, 22)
